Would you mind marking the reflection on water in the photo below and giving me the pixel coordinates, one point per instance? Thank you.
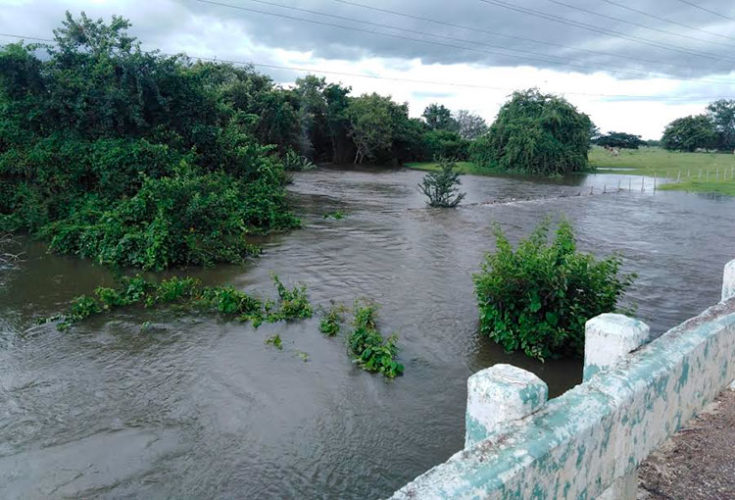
(201, 407)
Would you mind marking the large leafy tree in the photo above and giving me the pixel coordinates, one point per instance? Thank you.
(323, 119)
(438, 117)
(371, 126)
(620, 140)
(338, 122)
(722, 114)
(536, 133)
(690, 133)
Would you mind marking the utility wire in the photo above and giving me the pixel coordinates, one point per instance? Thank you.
(718, 14)
(393, 27)
(470, 28)
(677, 23)
(405, 80)
(595, 29)
(632, 23)
(540, 57)
(536, 56)
(487, 32)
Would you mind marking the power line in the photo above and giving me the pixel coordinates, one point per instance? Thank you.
(536, 56)
(539, 57)
(632, 23)
(405, 80)
(595, 29)
(9, 35)
(392, 27)
(478, 30)
(487, 32)
(544, 59)
(677, 23)
(718, 14)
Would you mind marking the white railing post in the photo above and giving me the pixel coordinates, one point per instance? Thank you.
(728, 290)
(608, 338)
(728, 281)
(498, 395)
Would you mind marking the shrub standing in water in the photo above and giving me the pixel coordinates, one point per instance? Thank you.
(441, 187)
(538, 297)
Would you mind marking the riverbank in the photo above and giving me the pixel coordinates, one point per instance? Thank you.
(692, 172)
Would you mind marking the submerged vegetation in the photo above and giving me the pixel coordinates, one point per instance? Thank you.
(538, 298)
(441, 187)
(189, 293)
(336, 215)
(332, 319)
(275, 341)
(368, 347)
(365, 344)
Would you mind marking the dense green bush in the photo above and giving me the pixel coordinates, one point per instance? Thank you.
(537, 298)
(183, 219)
(535, 133)
(138, 159)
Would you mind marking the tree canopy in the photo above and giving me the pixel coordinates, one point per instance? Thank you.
(620, 140)
(690, 133)
(713, 130)
(722, 115)
(438, 117)
(535, 133)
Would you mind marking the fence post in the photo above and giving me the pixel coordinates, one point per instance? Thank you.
(607, 339)
(498, 395)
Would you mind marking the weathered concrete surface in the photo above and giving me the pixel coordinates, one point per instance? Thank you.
(699, 461)
(581, 442)
(498, 395)
(610, 337)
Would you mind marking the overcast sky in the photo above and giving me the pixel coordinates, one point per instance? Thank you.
(632, 65)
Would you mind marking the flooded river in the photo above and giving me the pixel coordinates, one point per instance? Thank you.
(198, 407)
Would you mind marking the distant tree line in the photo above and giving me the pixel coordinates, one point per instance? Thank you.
(713, 130)
(619, 140)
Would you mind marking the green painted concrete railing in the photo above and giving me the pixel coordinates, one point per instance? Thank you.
(588, 442)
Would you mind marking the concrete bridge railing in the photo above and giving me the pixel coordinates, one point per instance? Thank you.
(588, 442)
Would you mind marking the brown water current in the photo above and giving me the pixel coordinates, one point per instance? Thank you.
(162, 404)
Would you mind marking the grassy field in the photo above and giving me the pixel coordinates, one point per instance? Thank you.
(695, 172)
(463, 167)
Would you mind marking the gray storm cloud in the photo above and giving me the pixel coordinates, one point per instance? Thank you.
(628, 39)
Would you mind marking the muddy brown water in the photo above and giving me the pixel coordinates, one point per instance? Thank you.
(190, 407)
